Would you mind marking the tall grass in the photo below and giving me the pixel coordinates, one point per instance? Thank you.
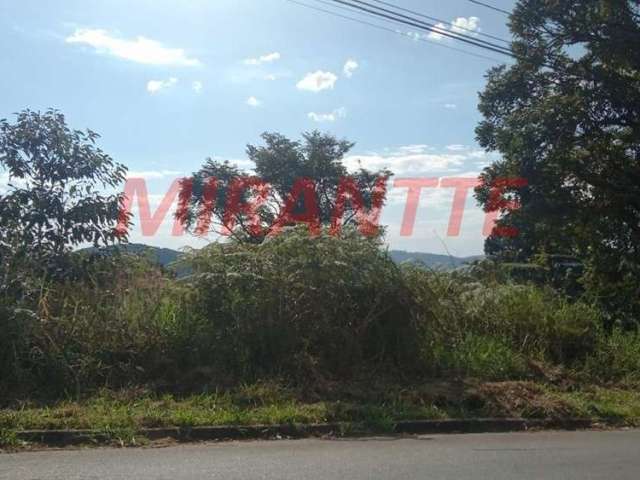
(616, 357)
(108, 326)
(307, 310)
(473, 327)
(302, 306)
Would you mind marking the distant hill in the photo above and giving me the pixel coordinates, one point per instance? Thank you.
(161, 256)
(432, 260)
(166, 256)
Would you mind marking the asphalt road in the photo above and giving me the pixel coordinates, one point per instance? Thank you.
(540, 456)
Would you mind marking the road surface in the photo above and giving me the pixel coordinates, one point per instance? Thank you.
(540, 456)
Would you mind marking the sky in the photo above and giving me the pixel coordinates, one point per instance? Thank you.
(169, 83)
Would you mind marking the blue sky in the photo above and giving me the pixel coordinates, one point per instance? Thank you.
(169, 83)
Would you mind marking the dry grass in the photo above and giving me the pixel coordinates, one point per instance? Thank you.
(122, 413)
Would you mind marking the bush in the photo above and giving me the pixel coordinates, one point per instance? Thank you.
(480, 356)
(299, 308)
(17, 327)
(615, 287)
(536, 321)
(103, 326)
(616, 357)
(530, 321)
(302, 306)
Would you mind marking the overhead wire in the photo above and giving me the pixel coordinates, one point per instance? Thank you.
(489, 6)
(387, 29)
(416, 23)
(435, 19)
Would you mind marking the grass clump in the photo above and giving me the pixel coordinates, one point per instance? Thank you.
(481, 356)
(8, 439)
(302, 306)
(490, 329)
(615, 358)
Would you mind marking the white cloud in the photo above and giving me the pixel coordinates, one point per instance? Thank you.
(457, 148)
(328, 117)
(450, 106)
(461, 25)
(317, 81)
(432, 197)
(468, 26)
(253, 102)
(8, 182)
(155, 86)
(139, 50)
(408, 163)
(271, 77)
(197, 86)
(421, 148)
(435, 34)
(422, 160)
(349, 68)
(268, 58)
(154, 174)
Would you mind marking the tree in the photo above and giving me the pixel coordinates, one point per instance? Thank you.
(566, 117)
(280, 166)
(57, 193)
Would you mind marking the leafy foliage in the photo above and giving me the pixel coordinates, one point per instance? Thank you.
(104, 324)
(465, 323)
(301, 305)
(54, 200)
(617, 357)
(309, 310)
(279, 164)
(566, 118)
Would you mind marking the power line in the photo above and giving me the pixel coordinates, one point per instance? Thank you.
(391, 30)
(399, 17)
(357, 9)
(406, 20)
(435, 19)
(486, 5)
(422, 25)
(390, 16)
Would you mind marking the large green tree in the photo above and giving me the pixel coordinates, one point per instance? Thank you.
(566, 117)
(281, 164)
(59, 191)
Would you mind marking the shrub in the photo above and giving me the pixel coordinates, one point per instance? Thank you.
(302, 305)
(480, 356)
(531, 321)
(103, 326)
(299, 308)
(17, 326)
(615, 287)
(616, 357)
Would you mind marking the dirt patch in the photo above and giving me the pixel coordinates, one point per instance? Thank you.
(522, 400)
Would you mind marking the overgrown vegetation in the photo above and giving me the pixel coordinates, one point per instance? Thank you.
(306, 328)
(306, 310)
(564, 118)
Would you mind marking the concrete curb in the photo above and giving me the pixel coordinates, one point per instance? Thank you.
(60, 438)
